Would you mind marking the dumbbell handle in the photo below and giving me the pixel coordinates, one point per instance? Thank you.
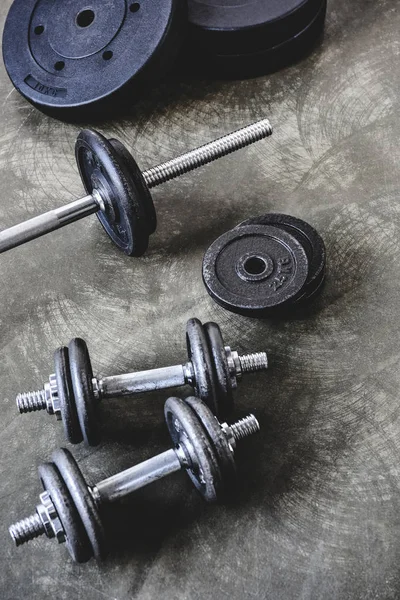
(141, 382)
(122, 484)
(49, 221)
(55, 219)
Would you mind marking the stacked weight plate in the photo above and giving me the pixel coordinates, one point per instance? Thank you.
(69, 58)
(247, 37)
(265, 265)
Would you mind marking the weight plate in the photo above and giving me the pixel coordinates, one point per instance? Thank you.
(74, 55)
(254, 270)
(186, 431)
(308, 237)
(309, 298)
(134, 172)
(199, 354)
(65, 392)
(82, 383)
(252, 34)
(224, 453)
(126, 216)
(76, 539)
(221, 369)
(82, 500)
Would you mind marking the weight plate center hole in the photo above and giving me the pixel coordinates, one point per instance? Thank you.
(255, 267)
(85, 18)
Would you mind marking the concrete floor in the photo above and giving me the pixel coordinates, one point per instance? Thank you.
(318, 510)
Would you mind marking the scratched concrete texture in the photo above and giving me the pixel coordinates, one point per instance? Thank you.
(317, 513)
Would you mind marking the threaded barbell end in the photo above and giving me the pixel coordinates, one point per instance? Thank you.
(207, 153)
(251, 363)
(31, 401)
(245, 427)
(26, 530)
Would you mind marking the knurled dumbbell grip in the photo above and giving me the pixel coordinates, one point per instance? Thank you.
(49, 221)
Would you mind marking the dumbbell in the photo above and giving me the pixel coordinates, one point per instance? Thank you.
(120, 193)
(70, 510)
(73, 394)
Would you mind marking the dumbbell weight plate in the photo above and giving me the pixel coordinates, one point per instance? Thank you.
(221, 368)
(82, 499)
(201, 359)
(65, 392)
(185, 428)
(132, 170)
(74, 56)
(307, 236)
(82, 383)
(255, 270)
(76, 538)
(127, 215)
(219, 442)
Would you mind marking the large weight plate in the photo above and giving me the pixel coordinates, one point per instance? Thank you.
(249, 36)
(72, 54)
(254, 270)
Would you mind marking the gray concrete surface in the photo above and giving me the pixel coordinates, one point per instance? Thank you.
(317, 514)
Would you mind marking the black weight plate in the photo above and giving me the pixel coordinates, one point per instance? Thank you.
(185, 429)
(310, 239)
(264, 31)
(255, 270)
(221, 368)
(76, 539)
(199, 355)
(72, 55)
(82, 499)
(145, 196)
(222, 450)
(312, 296)
(124, 192)
(65, 392)
(264, 61)
(82, 377)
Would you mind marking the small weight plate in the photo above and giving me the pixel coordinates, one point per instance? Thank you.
(310, 297)
(218, 439)
(221, 368)
(186, 431)
(65, 392)
(307, 236)
(76, 55)
(253, 35)
(82, 383)
(126, 216)
(199, 355)
(76, 539)
(254, 270)
(82, 500)
(134, 172)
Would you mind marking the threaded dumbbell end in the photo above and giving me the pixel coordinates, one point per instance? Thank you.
(31, 401)
(245, 427)
(26, 530)
(207, 153)
(250, 363)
